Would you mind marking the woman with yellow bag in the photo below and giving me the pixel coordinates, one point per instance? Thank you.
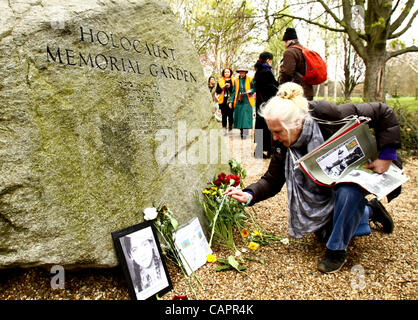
(224, 91)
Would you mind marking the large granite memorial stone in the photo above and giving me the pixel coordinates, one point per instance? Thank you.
(104, 109)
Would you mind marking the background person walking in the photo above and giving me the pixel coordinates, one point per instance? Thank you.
(265, 87)
(243, 102)
(292, 66)
(224, 91)
(212, 87)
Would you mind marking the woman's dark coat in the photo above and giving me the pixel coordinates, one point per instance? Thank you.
(265, 87)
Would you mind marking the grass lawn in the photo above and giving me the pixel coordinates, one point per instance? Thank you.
(410, 103)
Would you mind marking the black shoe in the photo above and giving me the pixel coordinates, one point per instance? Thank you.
(380, 216)
(332, 261)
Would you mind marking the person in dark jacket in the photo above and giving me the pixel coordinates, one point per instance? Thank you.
(292, 66)
(265, 87)
(334, 214)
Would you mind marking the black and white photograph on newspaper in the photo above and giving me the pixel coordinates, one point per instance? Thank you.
(335, 162)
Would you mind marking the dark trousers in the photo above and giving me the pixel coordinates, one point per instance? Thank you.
(227, 115)
(262, 137)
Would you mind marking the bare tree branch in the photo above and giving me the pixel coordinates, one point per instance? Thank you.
(356, 39)
(325, 12)
(405, 12)
(396, 35)
(402, 51)
(279, 15)
(394, 8)
(204, 44)
(332, 14)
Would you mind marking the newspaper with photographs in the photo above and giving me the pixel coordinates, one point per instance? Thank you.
(192, 245)
(342, 158)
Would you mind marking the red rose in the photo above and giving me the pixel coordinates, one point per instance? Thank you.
(218, 182)
(222, 177)
(233, 177)
(180, 298)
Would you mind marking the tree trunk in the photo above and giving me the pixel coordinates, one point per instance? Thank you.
(326, 89)
(216, 54)
(326, 44)
(335, 81)
(375, 76)
(319, 87)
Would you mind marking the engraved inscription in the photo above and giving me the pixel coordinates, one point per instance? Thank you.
(140, 95)
(133, 65)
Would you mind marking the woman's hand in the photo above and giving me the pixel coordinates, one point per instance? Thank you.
(236, 194)
(378, 165)
(230, 105)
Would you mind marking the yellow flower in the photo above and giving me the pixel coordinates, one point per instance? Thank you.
(256, 233)
(206, 191)
(244, 233)
(210, 258)
(253, 246)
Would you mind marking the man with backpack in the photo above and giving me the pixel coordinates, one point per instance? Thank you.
(301, 65)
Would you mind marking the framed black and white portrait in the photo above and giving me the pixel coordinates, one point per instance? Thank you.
(140, 256)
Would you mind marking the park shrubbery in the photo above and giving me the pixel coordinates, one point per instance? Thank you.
(408, 120)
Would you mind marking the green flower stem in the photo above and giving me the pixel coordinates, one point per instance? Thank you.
(215, 218)
(270, 235)
(179, 263)
(259, 227)
(193, 273)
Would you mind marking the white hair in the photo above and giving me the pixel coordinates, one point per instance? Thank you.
(289, 106)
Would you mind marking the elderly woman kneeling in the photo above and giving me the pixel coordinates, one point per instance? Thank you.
(334, 214)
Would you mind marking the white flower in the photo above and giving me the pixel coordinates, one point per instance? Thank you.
(285, 241)
(150, 213)
(244, 250)
(237, 253)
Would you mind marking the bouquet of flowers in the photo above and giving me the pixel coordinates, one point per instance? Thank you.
(222, 213)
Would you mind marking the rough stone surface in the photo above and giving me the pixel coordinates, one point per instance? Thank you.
(97, 103)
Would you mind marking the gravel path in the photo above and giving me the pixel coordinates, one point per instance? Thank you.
(379, 266)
